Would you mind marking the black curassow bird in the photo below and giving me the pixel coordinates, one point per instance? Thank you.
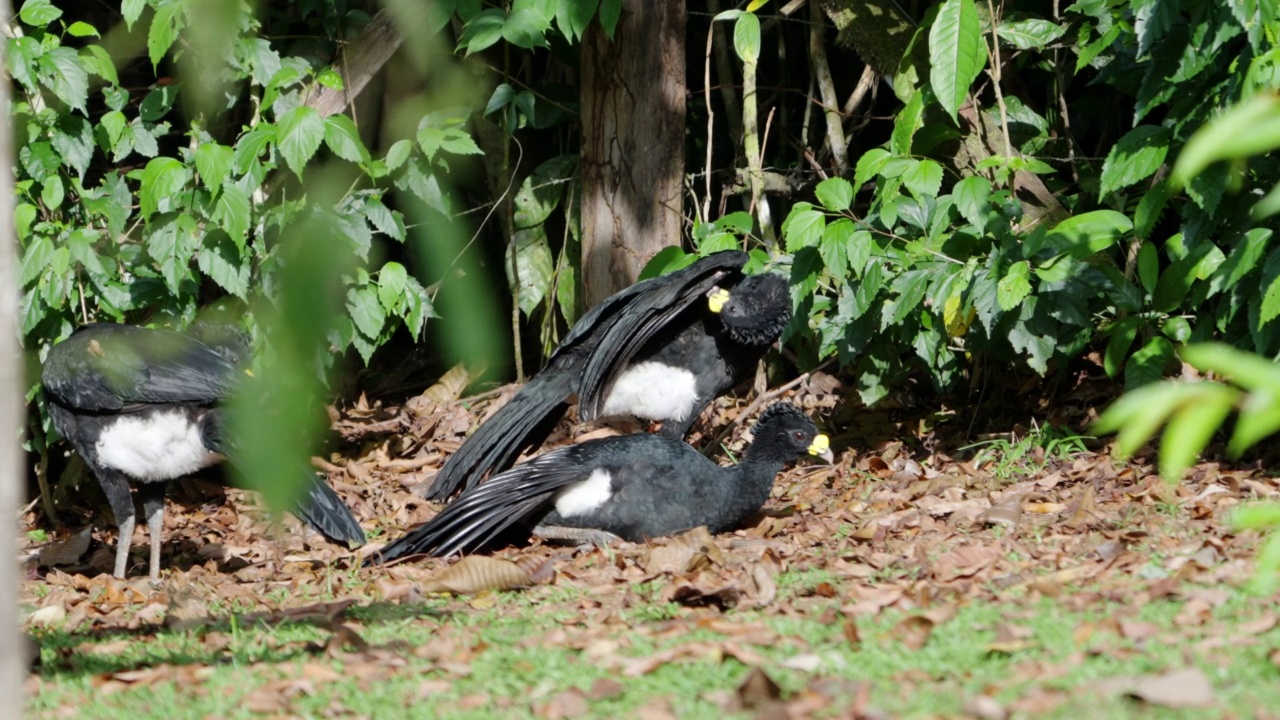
(141, 406)
(632, 486)
(651, 351)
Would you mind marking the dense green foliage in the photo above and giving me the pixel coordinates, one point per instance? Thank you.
(1009, 205)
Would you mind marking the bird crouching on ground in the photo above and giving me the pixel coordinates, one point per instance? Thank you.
(633, 487)
(142, 407)
(660, 350)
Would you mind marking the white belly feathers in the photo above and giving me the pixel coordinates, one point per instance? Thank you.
(652, 391)
(159, 446)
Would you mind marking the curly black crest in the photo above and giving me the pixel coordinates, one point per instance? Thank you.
(758, 310)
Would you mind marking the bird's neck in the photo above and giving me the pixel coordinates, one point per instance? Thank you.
(753, 482)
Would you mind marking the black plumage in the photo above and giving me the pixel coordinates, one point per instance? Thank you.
(661, 349)
(633, 486)
(141, 407)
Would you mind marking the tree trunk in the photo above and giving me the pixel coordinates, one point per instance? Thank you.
(633, 108)
(13, 657)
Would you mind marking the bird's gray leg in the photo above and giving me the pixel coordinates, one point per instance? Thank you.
(153, 507)
(116, 488)
(579, 536)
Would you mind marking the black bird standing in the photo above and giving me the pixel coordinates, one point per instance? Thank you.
(633, 487)
(141, 406)
(651, 351)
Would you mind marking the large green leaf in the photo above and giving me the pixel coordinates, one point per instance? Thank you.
(534, 265)
(1250, 128)
(1015, 286)
(1031, 33)
(298, 135)
(213, 162)
(1135, 157)
(167, 22)
(1083, 235)
(835, 194)
(343, 139)
(161, 178)
(957, 53)
(746, 37)
(803, 226)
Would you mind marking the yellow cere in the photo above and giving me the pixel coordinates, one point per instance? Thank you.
(717, 299)
(820, 445)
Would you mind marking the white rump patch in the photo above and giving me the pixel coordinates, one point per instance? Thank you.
(160, 446)
(652, 391)
(585, 497)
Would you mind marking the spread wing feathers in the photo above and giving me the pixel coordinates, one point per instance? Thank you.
(318, 505)
(607, 312)
(525, 419)
(327, 514)
(593, 353)
(110, 367)
(520, 495)
(644, 310)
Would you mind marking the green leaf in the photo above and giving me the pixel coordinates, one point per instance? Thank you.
(398, 153)
(365, 310)
(171, 243)
(213, 162)
(1086, 234)
(39, 13)
(53, 192)
(73, 139)
(1250, 128)
(1030, 34)
(39, 160)
(391, 284)
(526, 27)
(342, 137)
(971, 195)
(905, 125)
(330, 78)
(1135, 157)
(1177, 329)
(387, 223)
(836, 239)
(222, 259)
(835, 194)
(23, 215)
(1147, 364)
(63, 73)
(803, 227)
(610, 11)
(142, 139)
(161, 178)
(250, 146)
(80, 242)
(1149, 208)
(1192, 426)
(923, 179)
(22, 55)
(167, 22)
(35, 259)
(132, 10)
(1148, 266)
(533, 264)
(232, 213)
(573, 16)
(1122, 335)
(1015, 286)
(298, 135)
(746, 37)
(458, 142)
(80, 28)
(482, 31)
(957, 53)
(114, 123)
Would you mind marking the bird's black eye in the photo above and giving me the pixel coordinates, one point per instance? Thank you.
(799, 435)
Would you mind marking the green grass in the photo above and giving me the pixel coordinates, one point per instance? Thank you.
(515, 668)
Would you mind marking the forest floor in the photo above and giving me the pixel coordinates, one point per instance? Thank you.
(927, 573)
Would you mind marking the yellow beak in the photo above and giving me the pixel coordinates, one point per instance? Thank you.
(717, 299)
(821, 447)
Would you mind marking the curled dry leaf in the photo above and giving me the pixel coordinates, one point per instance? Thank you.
(477, 573)
(447, 389)
(1178, 689)
(685, 553)
(757, 690)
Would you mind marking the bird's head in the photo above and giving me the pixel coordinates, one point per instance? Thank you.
(756, 310)
(784, 429)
